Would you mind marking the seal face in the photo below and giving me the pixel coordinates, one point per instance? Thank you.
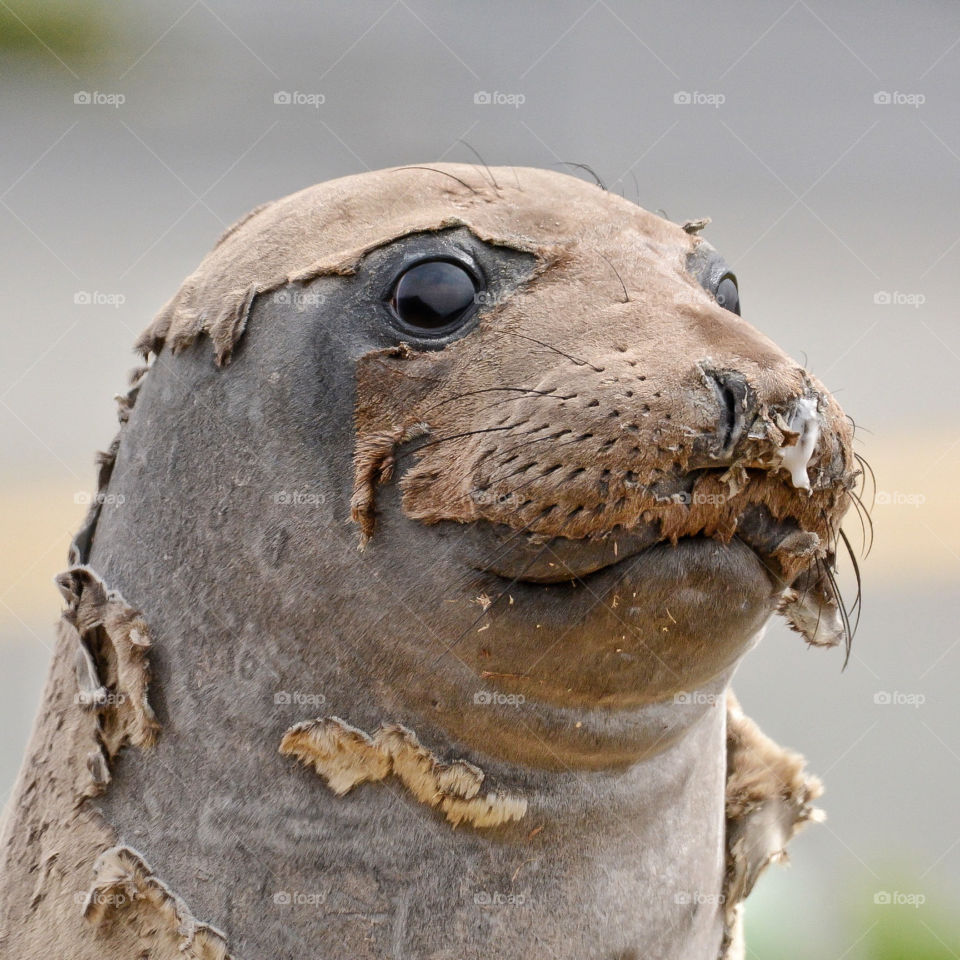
(562, 399)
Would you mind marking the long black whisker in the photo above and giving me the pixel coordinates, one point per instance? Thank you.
(584, 167)
(443, 173)
(496, 186)
(844, 616)
(455, 436)
(473, 393)
(858, 602)
(866, 522)
(626, 296)
(865, 464)
(549, 346)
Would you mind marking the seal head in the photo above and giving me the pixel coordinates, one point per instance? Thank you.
(582, 431)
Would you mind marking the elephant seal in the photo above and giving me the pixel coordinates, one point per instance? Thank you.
(580, 484)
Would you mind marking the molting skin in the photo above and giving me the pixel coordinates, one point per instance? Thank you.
(581, 485)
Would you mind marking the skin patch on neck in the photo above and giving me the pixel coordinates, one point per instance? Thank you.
(126, 892)
(111, 641)
(346, 757)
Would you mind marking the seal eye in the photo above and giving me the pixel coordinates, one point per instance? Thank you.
(433, 295)
(728, 295)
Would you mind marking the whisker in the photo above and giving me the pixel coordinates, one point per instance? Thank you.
(858, 602)
(496, 186)
(844, 616)
(579, 362)
(473, 393)
(443, 173)
(584, 167)
(626, 296)
(866, 522)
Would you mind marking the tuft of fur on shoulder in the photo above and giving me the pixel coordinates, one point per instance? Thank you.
(769, 797)
(346, 757)
(126, 891)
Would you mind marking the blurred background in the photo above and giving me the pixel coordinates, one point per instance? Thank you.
(822, 138)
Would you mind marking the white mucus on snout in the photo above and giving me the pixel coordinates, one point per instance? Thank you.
(795, 459)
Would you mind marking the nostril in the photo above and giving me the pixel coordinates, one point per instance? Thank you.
(730, 416)
(733, 402)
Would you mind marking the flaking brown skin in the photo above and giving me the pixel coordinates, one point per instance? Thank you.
(576, 413)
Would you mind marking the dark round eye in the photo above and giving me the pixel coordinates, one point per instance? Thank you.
(434, 295)
(728, 296)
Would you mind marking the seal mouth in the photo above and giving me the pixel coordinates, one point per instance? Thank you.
(524, 557)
